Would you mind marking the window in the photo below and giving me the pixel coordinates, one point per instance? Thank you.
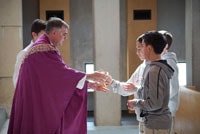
(182, 74)
(142, 14)
(54, 13)
(89, 68)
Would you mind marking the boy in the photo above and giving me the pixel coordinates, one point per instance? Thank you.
(134, 82)
(174, 83)
(153, 96)
(37, 29)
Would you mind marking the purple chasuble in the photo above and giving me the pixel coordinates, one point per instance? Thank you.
(46, 100)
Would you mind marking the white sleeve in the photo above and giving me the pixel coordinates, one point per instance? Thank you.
(81, 83)
(19, 60)
(135, 78)
(118, 88)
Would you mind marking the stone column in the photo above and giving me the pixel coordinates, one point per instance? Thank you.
(10, 45)
(192, 32)
(107, 106)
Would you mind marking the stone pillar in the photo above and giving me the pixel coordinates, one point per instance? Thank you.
(10, 45)
(192, 32)
(107, 106)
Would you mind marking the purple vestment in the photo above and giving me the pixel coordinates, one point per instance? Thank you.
(46, 100)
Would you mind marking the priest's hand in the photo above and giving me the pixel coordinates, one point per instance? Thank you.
(98, 86)
(100, 76)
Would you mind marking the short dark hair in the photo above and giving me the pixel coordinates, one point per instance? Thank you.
(55, 23)
(38, 25)
(168, 37)
(156, 40)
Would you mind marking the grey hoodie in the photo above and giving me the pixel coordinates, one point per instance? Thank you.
(154, 95)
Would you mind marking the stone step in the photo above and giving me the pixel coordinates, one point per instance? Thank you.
(3, 117)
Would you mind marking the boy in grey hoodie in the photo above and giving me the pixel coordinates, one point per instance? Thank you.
(154, 92)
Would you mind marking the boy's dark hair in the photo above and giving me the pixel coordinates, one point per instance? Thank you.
(38, 25)
(168, 37)
(156, 40)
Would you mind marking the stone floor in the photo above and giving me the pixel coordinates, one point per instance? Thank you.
(124, 129)
(129, 125)
(92, 129)
(4, 128)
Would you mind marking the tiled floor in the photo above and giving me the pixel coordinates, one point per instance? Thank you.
(129, 125)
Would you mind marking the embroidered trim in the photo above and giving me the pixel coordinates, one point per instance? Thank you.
(40, 48)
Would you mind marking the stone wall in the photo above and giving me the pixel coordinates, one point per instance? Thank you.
(10, 45)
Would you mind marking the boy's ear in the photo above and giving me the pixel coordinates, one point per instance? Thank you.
(166, 47)
(150, 48)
